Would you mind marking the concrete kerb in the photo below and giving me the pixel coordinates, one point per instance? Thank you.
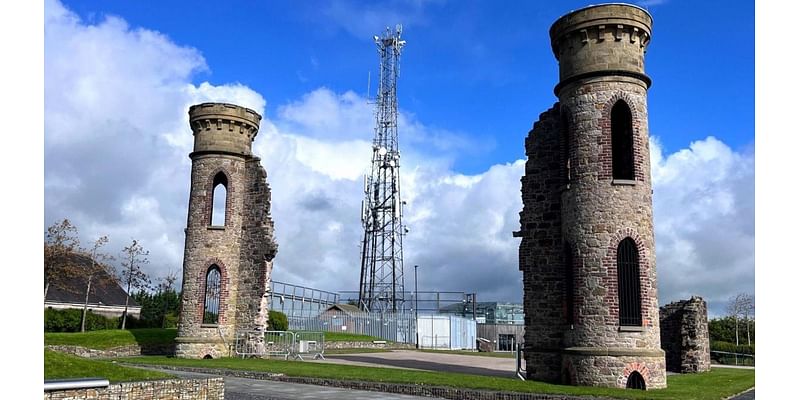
(384, 387)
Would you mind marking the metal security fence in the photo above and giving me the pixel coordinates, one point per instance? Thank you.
(434, 331)
(396, 327)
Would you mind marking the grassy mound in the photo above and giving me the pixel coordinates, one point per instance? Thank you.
(61, 366)
(107, 339)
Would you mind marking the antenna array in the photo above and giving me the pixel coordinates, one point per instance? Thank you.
(381, 287)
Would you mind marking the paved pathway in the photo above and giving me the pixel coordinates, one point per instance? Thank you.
(256, 389)
(430, 361)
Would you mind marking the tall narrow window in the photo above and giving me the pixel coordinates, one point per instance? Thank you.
(211, 307)
(219, 200)
(630, 300)
(621, 141)
(569, 287)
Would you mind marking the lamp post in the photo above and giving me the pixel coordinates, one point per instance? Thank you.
(416, 306)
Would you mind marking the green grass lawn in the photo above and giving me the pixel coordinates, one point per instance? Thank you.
(107, 339)
(717, 384)
(60, 366)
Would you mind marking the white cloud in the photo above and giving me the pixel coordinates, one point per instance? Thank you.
(704, 220)
(117, 140)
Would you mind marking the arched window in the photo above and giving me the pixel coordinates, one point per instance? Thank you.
(630, 300)
(565, 145)
(621, 141)
(635, 381)
(219, 199)
(211, 305)
(569, 287)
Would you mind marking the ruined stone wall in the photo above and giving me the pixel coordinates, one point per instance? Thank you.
(540, 254)
(684, 336)
(257, 251)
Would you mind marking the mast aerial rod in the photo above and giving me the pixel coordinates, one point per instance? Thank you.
(381, 286)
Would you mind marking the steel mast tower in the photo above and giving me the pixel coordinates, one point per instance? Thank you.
(381, 286)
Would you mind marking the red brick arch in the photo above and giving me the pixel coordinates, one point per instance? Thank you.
(223, 289)
(210, 195)
(640, 144)
(609, 280)
(630, 368)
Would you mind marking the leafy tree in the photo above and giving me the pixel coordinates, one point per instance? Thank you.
(134, 257)
(61, 239)
(277, 321)
(723, 330)
(98, 272)
(159, 308)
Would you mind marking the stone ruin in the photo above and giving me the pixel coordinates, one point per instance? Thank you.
(684, 336)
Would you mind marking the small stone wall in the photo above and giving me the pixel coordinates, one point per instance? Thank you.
(170, 389)
(120, 351)
(684, 335)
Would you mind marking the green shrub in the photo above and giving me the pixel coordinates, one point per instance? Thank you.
(277, 321)
(69, 320)
(718, 345)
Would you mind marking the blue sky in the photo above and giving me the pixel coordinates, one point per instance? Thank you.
(119, 77)
(482, 69)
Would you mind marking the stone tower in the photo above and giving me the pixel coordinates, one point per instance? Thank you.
(587, 252)
(229, 248)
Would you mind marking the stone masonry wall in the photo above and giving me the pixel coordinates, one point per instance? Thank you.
(171, 389)
(540, 254)
(684, 335)
(257, 251)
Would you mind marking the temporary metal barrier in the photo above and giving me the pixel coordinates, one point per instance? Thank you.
(309, 343)
(264, 343)
(280, 344)
(69, 384)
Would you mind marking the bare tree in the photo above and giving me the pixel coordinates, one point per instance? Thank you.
(61, 240)
(134, 256)
(99, 272)
(748, 310)
(164, 286)
(741, 306)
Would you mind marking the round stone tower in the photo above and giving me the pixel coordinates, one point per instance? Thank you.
(229, 247)
(588, 252)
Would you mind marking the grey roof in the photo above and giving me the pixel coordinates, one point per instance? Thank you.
(73, 290)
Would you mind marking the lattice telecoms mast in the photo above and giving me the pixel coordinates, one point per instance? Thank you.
(381, 286)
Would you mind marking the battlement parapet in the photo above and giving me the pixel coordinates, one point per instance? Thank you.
(607, 39)
(223, 128)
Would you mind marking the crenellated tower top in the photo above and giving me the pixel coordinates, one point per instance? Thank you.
(601, 40)
(221, 128)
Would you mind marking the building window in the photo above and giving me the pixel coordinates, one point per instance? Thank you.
(630, 301)
(621, 141)
(505, 342)
(219, 199)
(211, 308)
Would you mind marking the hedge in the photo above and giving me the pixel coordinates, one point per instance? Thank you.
(69, 320)
(717, 345)
(277, 321)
